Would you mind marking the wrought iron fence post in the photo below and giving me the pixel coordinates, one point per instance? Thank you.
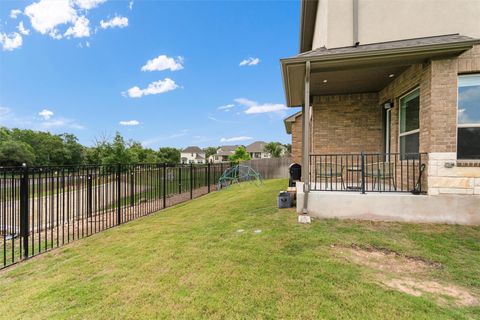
(24, 220)
(208, 176)
(420, 172)
(89, 195)
(164, 186)
(362, 159)
(179, 179)
(132, 188)
(191, 180)
(119, 199)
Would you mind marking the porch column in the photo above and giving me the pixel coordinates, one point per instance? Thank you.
(306, 138)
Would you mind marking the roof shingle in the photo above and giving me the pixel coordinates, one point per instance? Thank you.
(399, 44)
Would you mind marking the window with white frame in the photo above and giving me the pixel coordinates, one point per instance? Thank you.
(468, 135)
(410, 124)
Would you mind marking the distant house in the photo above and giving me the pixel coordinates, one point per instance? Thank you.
(257, 150)
(192, 154)
(222, 154)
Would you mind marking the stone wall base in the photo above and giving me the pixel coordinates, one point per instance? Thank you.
(451, 209)
(448, 176)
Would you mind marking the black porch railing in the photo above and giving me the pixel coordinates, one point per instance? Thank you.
(368, 172)
(46, 207)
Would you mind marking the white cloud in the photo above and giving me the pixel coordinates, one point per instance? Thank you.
(63, 18)
(80, 29)
(234, 139)
(11, 41)
(15, 13)
(45, 16)
(120, 22)
(249, 62)
(60, 123)
(226, 107)
(4, 112)
(156, 87)
(130, 5)
(45, 114)
(163, 62)
(88, 4)
(47, 121)
(254, 107)
(22, 29)
(219, 120)
(129, 123)
(9, 119)
(158, 139)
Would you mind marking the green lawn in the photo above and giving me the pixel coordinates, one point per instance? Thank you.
(191, 262)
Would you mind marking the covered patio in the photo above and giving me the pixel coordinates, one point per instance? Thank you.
(368, 114)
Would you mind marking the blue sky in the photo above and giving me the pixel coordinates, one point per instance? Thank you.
(157, 71)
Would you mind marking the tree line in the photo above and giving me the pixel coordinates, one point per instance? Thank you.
(37, 148)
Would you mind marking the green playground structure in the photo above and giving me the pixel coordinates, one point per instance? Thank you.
(237, 174)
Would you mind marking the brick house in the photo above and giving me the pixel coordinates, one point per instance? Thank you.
(393, 109)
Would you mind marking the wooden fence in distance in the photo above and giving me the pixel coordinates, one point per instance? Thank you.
(274, 168)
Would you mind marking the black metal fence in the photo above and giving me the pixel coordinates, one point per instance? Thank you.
(368, 172)
(46, 207)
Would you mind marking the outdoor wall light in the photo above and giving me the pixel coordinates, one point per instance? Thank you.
(325, 81)
(388, 105)
(391, 75)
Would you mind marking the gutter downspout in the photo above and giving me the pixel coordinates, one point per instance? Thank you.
(355, 23)
(306, 139)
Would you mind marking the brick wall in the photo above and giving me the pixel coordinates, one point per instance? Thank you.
(347, 124)
(443, 106)
(297, 137)
(353, 123)
(469, 61)
(415, 76)
(447, 175)
(437, 81)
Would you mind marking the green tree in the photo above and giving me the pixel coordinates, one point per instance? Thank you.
(240, 155)
(210, 151)
(141, 154)
(74, 151)
(117, 151)
(98, 153)
(15, 153)
(168, 155)
(49, 149)
(274, 148)
(4, 134)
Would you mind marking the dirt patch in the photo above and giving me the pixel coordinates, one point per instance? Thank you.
(397, 271)
(442, 293)
(386, 260)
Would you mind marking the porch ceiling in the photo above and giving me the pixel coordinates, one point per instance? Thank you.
(363, 68)
(352, 81)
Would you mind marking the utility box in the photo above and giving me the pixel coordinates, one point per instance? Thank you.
(284, 200)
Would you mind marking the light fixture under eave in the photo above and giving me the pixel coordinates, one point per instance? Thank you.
(388, 105)
(391, 75)
(325, 81)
